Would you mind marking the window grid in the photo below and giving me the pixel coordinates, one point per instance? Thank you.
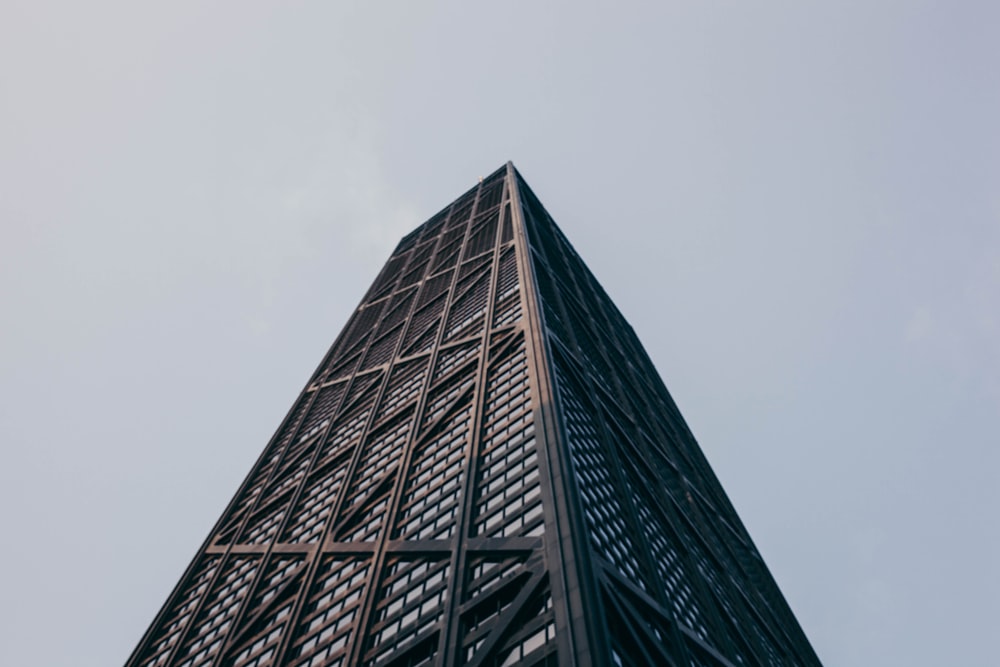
(363, 388)
(263, 528)
(181, 615)
(343, 436)
(289, 479)
(483, 235)
(410, 604)
(419, 265)
(671, 573)
(262, 650)
(531, 643)
(488, 571)
(420, 334)
(356, 336)
(451, 358)
(390, 275)
(290, 427)
(535, 642)
(472, 266)
(433, 487)
(461, 210)
(315, 506)
(466, 314)
(509, 501)
(260, 479)
(380, 452)
(329, 616)
(443, 396)
(490, 194)
(434, 287)
(490, 607)
(602, 506)
(382, 349)
(321, 411)
(222, 607)
(398, 311)
(278, 573)
(403, 387)
(367, 526)
(448, 254)
(507, 229)
(508, 297)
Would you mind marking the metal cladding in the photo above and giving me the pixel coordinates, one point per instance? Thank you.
(485, 469)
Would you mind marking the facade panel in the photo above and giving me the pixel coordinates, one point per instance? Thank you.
(485, 469)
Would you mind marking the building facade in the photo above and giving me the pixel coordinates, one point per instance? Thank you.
(485, 469)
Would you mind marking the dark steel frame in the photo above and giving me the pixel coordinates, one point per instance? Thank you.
(485, 468)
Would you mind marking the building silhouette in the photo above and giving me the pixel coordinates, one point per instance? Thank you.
(485, 469)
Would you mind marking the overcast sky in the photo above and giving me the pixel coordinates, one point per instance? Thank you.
(795, 204)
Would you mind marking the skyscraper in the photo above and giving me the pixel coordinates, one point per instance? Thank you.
(485, 469)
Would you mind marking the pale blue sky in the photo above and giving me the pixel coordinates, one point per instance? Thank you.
(795, 204)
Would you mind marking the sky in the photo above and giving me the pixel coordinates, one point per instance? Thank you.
(796, 206)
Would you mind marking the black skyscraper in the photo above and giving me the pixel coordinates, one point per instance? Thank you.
(485, 469)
